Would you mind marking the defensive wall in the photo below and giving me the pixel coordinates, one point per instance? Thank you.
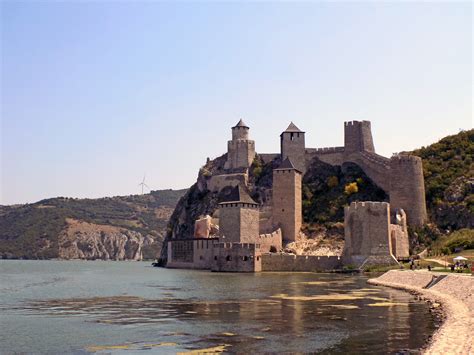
(236, 257)
(367, 234)
(289, 262)
(190, 253)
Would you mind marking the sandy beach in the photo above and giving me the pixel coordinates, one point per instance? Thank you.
(454, 293)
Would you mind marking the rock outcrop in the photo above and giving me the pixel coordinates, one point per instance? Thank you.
(82, 240)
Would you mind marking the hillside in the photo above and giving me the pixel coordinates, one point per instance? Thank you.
(448, 168)
(124, 227)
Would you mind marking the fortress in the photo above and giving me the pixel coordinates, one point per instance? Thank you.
(247, 235)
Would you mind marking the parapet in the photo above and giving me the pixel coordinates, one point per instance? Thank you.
(325, 150)
(405, 158)
(229, 245)
(368, 205)
(356, 123)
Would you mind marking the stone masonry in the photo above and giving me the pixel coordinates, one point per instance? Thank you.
(287, 204)
(367, 234)
(239, 218)
(240, 150)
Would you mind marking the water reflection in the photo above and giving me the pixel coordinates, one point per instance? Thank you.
(175, 311)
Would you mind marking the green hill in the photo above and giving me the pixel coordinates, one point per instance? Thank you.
(31, 230)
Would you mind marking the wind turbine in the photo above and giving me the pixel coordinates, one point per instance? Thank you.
(142, 184)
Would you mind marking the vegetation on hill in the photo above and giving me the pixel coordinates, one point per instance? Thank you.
(448, 168)
(31, 230)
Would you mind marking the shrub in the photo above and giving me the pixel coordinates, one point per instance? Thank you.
(333, 181)
(351, 188)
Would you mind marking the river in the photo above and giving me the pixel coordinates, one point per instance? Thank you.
(130, 307)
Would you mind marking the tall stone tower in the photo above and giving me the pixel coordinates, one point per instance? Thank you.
(293, 146)
(358, 137)
(287, 207)
(240, 150)
(407, 188)
(239, 217)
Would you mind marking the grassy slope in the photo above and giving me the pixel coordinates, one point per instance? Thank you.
(31, 231)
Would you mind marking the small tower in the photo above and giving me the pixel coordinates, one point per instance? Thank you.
(407, 188)
(240, 150)
(287, 207)
(358, 137)
(239, 217)
(293, 146)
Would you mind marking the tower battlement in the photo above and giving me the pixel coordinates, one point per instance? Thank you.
(358, 137)
(355, 207)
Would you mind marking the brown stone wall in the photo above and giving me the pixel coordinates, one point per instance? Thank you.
(268, 240)
(375, 166)
(293, 147)
(236, 257)
(367, 234)
(288, 262)
(358, 137)
(191, 253)
(218, 182)
(240, 153)
(287, 205)
(239, 223)
(399, 239)
(407, 188)
(331, 155)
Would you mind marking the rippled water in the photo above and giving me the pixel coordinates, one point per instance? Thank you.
(88, 306)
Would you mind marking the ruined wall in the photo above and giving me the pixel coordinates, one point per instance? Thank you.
(399, 240)
(268, 240)
(289, 262)
(287, 205)
(293, 147)
(232, 257)
(239, 222)
(367, 234)
(358, 137)
(407, 188)
(217, 182)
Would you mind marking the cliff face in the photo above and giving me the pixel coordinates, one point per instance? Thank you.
(82, 240)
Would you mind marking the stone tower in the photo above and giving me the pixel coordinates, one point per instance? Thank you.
(367, 234)
(358, 137)
(287, 207)
(240, 150)
(293, 146)
(407, 188)
(239, 217)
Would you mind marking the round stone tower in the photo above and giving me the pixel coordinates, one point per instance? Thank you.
(407, 188)
(240, 131)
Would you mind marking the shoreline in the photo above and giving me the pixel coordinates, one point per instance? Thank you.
(452, 294)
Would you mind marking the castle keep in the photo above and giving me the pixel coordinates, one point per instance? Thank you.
(247, 235)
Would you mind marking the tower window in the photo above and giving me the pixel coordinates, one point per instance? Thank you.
(292, 136)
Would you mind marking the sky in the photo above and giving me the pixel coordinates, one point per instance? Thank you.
(96, 94)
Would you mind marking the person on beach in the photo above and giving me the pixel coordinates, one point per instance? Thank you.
(429, 267)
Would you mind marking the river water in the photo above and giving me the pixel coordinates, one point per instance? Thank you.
(130, 307)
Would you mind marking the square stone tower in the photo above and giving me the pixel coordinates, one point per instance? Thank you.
(293, 146)
(287, 205)
(239, 217)
(240, 150)
(358, 137)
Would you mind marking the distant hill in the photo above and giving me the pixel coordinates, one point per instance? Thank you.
(123, 227)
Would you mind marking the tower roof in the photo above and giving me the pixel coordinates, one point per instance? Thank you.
(287, 165)
(293, 129)
(241, 124)
(238, 195)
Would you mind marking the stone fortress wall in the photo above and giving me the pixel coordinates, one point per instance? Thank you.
(289, 262)
(236, 257)
(400, 176)
(269, 240)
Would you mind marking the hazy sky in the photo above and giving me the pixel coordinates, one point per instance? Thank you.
(95, 94)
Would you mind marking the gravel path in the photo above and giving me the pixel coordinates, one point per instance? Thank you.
(456, 295)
